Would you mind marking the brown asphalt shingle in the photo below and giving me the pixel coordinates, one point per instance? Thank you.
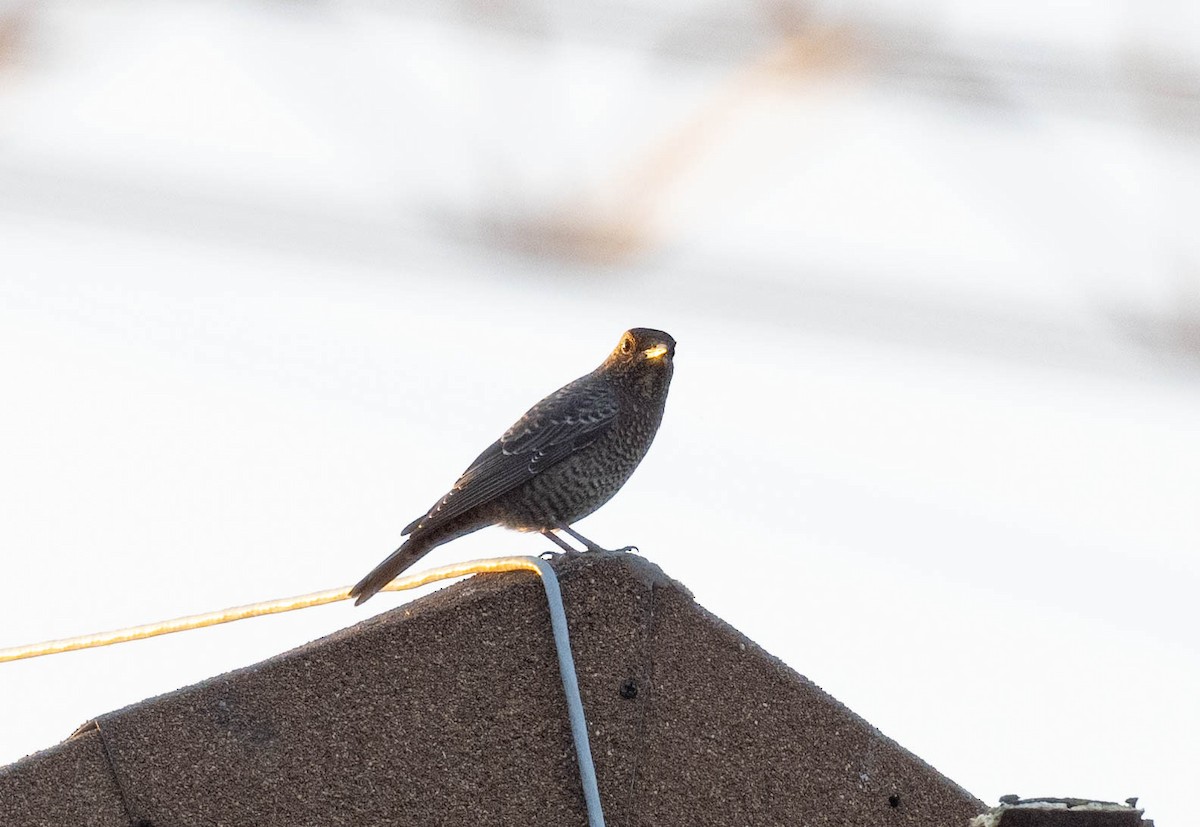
(70, 784)
(449, 711)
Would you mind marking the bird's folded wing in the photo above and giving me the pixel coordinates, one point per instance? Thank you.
(561, 424)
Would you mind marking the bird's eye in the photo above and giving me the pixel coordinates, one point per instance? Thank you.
(627, 345)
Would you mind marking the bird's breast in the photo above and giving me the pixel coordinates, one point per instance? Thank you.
(581, 482)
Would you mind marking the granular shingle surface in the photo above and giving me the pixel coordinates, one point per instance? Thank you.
(449, 711)
(69, 784)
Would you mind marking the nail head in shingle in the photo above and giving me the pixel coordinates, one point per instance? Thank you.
(628, 689)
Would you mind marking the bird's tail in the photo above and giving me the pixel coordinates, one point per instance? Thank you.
(414, 548)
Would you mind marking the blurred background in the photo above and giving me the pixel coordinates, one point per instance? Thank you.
(273, 273)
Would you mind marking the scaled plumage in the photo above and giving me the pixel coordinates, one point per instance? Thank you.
(566, 457)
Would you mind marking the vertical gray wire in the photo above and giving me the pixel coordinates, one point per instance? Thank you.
(566, 665)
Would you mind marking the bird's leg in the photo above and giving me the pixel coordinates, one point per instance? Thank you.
(549, 534)
(589, 544)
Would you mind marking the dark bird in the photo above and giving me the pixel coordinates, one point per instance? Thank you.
(567, 456)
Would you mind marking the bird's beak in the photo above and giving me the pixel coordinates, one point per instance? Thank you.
(655, 352)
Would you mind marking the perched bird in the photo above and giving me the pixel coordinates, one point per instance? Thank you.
(567, 456)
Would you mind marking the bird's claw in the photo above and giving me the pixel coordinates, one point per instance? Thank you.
(560, 555)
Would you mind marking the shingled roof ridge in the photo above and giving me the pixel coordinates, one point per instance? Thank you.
(443, 700)
(470, 590)
(792, 675)
(458, 593)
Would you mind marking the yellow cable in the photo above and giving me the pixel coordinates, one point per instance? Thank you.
(268, 607)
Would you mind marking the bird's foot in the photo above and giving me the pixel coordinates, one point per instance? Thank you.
(588, 544)
(551, 556)
(594, 549)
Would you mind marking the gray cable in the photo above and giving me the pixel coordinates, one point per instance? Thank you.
(566, 665)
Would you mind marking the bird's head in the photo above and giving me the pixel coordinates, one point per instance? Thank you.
(644, 357)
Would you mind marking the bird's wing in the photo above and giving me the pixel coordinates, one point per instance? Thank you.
(564, 422)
